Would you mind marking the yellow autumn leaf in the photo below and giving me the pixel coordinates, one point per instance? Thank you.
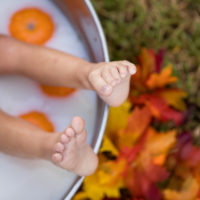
(118, 118)
(159, 80)
(174, 97)
(108, 146)
(110, 173)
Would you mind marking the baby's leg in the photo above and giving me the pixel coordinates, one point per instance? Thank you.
(21, 138)
(67, 150)
(45, 65)
(48, 66)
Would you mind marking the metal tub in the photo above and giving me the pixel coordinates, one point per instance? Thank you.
(83, 17)
(40, 175)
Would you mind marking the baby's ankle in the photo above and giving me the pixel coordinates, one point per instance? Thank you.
(47, 145)
(83, 75)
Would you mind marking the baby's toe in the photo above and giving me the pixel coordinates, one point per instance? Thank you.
(131, 67)
(59, 147)
(122, 70)
(106, 90)
(64, 138)
(107, 76)
(115, 74)
(78, 124)
(70, 132)
(57, 157)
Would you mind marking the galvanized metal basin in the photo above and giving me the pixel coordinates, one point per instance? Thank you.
(40, 179)
(83, 17)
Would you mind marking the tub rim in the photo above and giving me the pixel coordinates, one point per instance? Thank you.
(79, 180)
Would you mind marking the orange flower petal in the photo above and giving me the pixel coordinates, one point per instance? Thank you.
(31, 25)
(38, 119)
(55, 91)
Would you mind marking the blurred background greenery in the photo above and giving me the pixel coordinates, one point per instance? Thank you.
(171, 25)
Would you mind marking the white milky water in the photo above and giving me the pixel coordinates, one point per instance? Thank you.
(38, 179)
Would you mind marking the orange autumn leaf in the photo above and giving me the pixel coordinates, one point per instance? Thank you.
(196, 174)
(160, 159)
(147, 61)
(162, 79)
(39, 119)
(31, 25)
(188, 191)
(159, 142)
(138, 121)
(57, 91)
(174, 97)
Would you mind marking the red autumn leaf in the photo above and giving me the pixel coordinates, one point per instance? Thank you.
(149, 62)
(159, 108)
(186, 151)
(137, 82)
(171, 114)
(130, 154)
(160, 173)
(159, 60)
(141, 184)
(189, 153)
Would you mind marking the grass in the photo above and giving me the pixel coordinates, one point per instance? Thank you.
(172, 25)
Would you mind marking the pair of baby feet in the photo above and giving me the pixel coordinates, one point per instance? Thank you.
(111, 82)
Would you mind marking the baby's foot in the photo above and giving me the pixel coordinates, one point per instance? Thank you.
(111, 80)
(72, 152)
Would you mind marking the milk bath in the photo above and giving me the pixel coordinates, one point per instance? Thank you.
(39, 179)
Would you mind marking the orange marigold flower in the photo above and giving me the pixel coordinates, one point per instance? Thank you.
(39, 119)
(56, 91)
(31, 25)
